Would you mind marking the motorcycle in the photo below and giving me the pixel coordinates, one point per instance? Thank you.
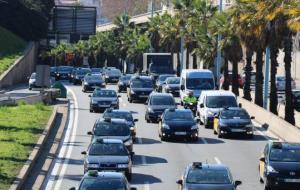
(191, 106)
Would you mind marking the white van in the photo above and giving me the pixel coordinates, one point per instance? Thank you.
(211, 102)
(195, 80)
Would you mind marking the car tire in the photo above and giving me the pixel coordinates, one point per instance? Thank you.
(266, 185)
(91, 110)
(30, 88)
(250, 136)
(130, 100)
(162, 138)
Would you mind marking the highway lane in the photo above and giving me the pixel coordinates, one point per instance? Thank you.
(157, 165)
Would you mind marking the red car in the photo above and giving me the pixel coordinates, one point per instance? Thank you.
(240, 80)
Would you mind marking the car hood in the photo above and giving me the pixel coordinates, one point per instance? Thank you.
(64, 72)
(286, 167)
(113, 75)
(108, 159)
(209, 187)
(174, 85)
(180, 123)
(142, 89)
(95, 81)
(104, 99)
(214, 110)
(235, 121)
(162, 107)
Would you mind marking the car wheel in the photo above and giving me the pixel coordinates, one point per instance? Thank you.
(91, 110)
(30, 88)
(250, 136)
(162, 138)
(266, 185)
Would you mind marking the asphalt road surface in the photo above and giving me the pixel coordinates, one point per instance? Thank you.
(157, 165)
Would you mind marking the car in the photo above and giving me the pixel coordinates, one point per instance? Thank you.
(156, 104)
(211, 102)
(96, 70)
(108, 154)
(79, 75)
(102, 99)
(178, 123)
(279, 165)
(296, 99)
(91, 82)
(53, 71)
(112, 128)
(139, 88)
(112, 75)
(161, 81)
(32, 82)
(207, 176)
(280, 83)
(123, 114)
(172, 86)
(103, 181)
(241, 80)
(63, 72)
(233, 120)
(124, 82)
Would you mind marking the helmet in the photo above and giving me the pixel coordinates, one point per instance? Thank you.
(190, 93)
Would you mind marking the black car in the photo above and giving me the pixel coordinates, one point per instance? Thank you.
(296, 99)
(140, 87)
(279, 166)
(112, 75)
(178, 123)
(102, 99)
(207, 177)
(113, 129)
(124, 82)
(108, 154)
(162, 81)
(53, 71)
(157, 103)
(103, 181)
(233, 120)
(123, 114)
(79, 74)
(96, 70)
(172, 85)
(91, 82)
(63, 72)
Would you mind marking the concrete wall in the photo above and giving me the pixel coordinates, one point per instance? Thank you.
(21, 69)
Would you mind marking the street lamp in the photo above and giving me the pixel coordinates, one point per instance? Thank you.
(219, 55)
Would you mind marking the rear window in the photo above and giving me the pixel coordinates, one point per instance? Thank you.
(118, 115)
(162, 100)
(235, 114)
(208, 176)
(98, 149)
(185, 116)
(111, 129)
(103, 184)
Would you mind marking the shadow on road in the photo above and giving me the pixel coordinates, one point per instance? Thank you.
(73, 177)
(149, 141)
(138, 179)
(199, 141)
(138, 160)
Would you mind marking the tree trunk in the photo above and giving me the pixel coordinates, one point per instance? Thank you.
(195, 61)
(235, 81)
(248, 69)
(289, 110)
(178, 64)
(259, 78)
(187, 58)
(225, 85)
(273, 89)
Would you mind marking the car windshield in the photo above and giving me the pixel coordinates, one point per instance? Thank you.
(297, 95)
(285, 155)
(104, 93)
(208, 176)
(220, 101)
(83, 71)
(64, 69)
(280, 78)
(162, 100)
(98, 149)
(173, 80)
(186, 116)
(235, 114)
(164, 77)
(33, 76)
(114, 72)
(200, 83)
(140, 83)
(103, 184)
(161, 69)
(125, 77)
(96, 70)
(111, 129)
(119, 115)
(92, 77)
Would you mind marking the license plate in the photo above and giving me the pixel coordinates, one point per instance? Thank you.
(180, 133)
(292, 180)
(104, 106)
(238, 130)
(94, 86)
(143, 96)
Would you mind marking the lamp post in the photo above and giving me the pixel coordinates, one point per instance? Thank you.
(219, 53)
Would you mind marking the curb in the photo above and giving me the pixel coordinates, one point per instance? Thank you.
(26, 169)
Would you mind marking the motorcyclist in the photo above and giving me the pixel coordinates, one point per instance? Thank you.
(190, 98)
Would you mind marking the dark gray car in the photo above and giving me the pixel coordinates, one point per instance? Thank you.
(102, 99)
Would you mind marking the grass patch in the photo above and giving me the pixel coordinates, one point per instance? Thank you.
(11, 47)
(20, 128)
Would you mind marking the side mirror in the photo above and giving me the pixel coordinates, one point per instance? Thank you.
(72, 188)
(179, 182)
(252, 117)
(237, 183)
(83, 153)
(240, 105)
(90, 133)
(90, 95)
(136, 120)
(262, 159)
(201, 105)
(182, 87)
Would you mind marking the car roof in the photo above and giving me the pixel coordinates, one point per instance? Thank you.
(111, 120)
(141, 77)
(119, 111)
(161, 94)
(104, 174)
(285, 145)
(108, 141)
(217, 93)
(235, 108)
(210, 166)
(179, 110)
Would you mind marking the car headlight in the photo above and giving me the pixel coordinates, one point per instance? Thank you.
(121, 83)
(122, 165)
(128, 142)
(107, 76)
(150, 110)
(77, 77)
(249, 126)
(93, 165)
(132, 92)
(270, 169)
(165, 126)
(131, 128)
(194, 127)
(167, 87)
(114, 102)
(210, 114)
(85, 83)
(94, 101)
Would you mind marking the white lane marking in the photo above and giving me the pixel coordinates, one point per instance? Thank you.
(204, 140)
(65, 147)
(269, 136)
(124, 104)
(120, 99)
(218, 160)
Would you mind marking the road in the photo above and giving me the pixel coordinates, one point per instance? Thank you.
(157, 165)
